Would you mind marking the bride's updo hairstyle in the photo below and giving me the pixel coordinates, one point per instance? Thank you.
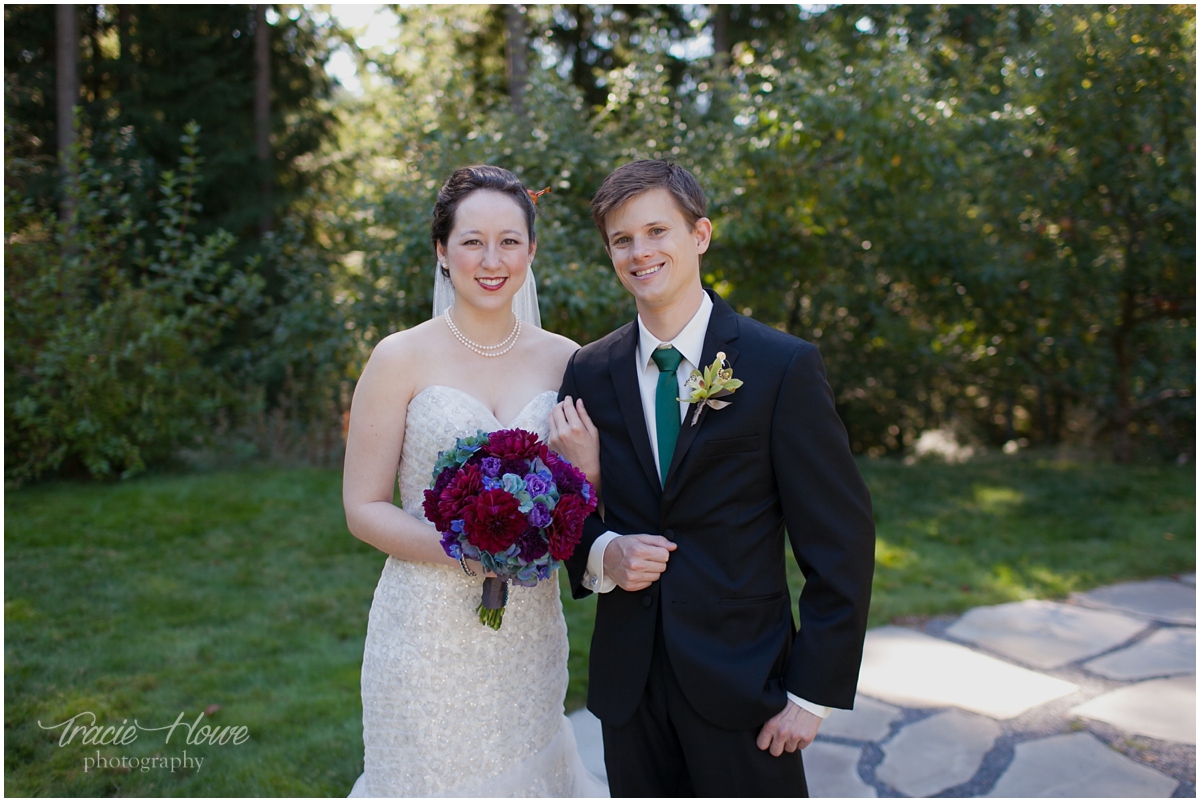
(466, 180)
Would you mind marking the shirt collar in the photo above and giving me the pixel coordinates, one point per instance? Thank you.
(689, 341)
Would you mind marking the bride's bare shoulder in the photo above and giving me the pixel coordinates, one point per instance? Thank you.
(554, 345)
(404, 353)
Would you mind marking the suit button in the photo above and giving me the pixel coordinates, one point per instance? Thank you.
(647, 601)
(669, 534)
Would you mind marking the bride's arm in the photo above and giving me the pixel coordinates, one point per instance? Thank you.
(373, 445)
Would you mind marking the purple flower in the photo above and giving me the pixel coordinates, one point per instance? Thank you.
(533, 545)
(568, 479)
(537, 486)
(540, 515)
(517, 465)
(450, 544)
(491, 466)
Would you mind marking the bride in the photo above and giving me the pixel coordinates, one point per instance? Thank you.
(451, 707)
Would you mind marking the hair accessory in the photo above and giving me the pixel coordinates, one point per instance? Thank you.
(533, 196)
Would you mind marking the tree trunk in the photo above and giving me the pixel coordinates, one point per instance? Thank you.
(1122, 409)
(95, 66)
(517, 49)
(1043, 411)
(1010, 427)
(262, 112)
(720, 17)
(1059, 411)
(67, 88)
(124, 54)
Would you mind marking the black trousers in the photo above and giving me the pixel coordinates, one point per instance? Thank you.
(667, 749)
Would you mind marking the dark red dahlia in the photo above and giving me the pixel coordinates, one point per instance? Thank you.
(494, 521)
(567, 527)
(458, 494)
(430, 506)
(516, 443)
(434, 495)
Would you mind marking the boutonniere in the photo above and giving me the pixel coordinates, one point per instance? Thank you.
(707, 388)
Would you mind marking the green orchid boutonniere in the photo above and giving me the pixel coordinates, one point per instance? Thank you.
(707, 388)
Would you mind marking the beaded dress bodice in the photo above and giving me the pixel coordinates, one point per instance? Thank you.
(451, 707)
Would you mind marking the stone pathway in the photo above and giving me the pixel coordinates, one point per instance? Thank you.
(1092, 697)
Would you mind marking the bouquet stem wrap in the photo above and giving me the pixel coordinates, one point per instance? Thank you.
(495, 597)
(503, 498)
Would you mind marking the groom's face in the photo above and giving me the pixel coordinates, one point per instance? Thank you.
(654, 250)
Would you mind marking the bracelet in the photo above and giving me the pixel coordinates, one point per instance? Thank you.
(462, 560)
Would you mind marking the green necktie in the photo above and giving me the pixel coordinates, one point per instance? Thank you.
(666, 405)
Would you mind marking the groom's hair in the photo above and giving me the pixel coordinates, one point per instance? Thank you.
(465, 180)
(633, 179)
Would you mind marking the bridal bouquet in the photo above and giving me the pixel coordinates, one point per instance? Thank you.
(503, 498)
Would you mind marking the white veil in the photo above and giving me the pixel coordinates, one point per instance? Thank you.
(524, 305)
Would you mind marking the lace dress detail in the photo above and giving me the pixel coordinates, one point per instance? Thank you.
(451, 707)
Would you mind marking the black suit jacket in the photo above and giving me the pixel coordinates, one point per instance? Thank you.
(776, 460)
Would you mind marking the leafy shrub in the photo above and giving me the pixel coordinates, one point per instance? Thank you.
(112, 344)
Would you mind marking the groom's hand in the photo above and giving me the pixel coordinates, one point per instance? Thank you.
(792, 728)
(635, 562)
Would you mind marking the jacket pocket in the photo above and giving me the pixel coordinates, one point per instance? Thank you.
(732, 445)
(770, 597)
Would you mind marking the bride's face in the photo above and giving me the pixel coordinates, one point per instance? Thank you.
(488, 251)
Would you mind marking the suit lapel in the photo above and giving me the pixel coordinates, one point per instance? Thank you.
(721, 335)
(622, 365)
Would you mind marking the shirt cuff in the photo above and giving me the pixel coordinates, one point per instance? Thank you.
(820, 711)
(594, 578)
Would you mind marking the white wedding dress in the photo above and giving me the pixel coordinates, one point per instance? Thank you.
(451, 707)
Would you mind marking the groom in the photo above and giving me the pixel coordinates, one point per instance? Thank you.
(698, 674)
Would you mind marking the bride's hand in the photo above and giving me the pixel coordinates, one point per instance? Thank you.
(574, 436)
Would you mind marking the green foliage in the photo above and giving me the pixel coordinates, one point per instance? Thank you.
(153, 68)
(922, 191)
(110, 340)
(879, 180)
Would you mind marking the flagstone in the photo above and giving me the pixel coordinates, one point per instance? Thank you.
(937, 753)
(1044, 634)
(589, 738)
(870, 720)
(1168, 651)
(832, 771)
(1078, 765)
(917, 670)
(1159, 708)
(1157, 599)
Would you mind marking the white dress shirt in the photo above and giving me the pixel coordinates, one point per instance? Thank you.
(690, 343)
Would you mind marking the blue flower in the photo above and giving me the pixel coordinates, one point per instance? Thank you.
(491, 467)
(450, 545)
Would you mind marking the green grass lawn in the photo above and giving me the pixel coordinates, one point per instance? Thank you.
(243, 590)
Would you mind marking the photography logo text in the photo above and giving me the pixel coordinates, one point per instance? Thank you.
(83, 729)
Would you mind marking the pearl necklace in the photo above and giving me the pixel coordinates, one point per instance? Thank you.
(489, 351)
